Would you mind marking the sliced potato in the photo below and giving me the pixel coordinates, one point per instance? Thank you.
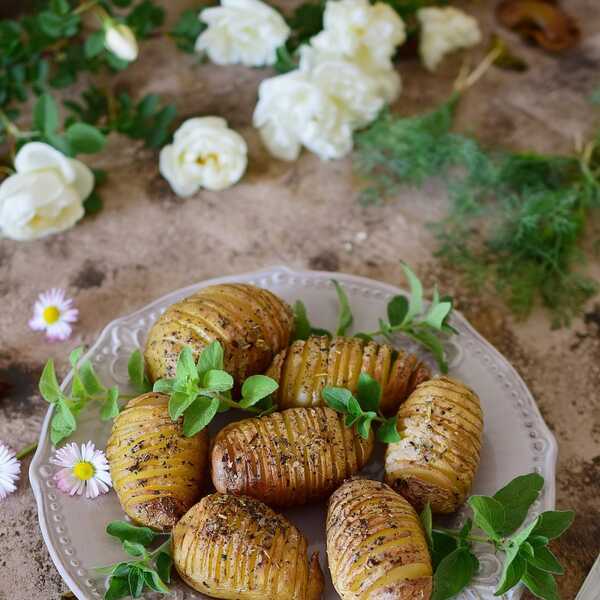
(251, 323)
(441, 424)
(157, 472)
(306, 367)
(288, 458)
(236, 547)
(376, 546)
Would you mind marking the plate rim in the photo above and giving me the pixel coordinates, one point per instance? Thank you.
(44, 440)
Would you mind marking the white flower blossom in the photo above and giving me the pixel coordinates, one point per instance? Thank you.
(54, 313)
(205, 153)
(444, 30)
(45, 195)
(242, 31)
(10, 469)
(120, 40)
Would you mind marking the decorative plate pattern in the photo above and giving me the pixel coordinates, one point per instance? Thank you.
(516, 439)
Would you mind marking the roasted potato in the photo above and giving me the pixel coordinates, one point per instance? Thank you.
(157, 472)
(288, 458)
(441, 424)
(306, 367)
(237, 547)
(251, 323)
(375, 544)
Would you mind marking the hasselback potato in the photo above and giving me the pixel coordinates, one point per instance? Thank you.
(375, 544)
(441, 424)
(306, 367)
(236, 547)
(251, 323)
(157, 472)
(288, 458)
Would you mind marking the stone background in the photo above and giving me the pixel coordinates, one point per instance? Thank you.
(147, 242)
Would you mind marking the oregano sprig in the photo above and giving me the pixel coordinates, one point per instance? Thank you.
(201, 389)
(527, 558)
(147, 569)
(362, 410)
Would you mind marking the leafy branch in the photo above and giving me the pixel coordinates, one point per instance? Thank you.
(363, 410)
(147, 569)
(202, 389)
(527, 558)
(405, 316)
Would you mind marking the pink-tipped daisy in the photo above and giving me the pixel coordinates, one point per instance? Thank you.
(52, 313)
(83, 469)
(10, 468)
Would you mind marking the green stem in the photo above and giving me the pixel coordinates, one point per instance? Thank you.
(455, 534)
(233, 404)
(27, 450)
(167, 542)
(84, 6)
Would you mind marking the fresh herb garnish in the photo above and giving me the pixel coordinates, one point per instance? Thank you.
(200, 390)
(149, 569)
(405, 316)
(527, 558)
(137, 373)
(516, 219)
(361, 411)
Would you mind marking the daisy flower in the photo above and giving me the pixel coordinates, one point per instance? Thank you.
(10, 469)
(83, 469)
(52, 313)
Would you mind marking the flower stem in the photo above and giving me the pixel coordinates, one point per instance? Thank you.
(84, 6)
(27, 450)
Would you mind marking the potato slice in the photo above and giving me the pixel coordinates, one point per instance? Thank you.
(251, 323)
(157, 472)
(288, 458)
(376, 546)
(441, 424)
(236, 547)
(306, 367)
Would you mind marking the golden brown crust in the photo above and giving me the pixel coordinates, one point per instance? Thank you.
(236, 547)
(288, 458)
(441, 424)
(251, 323)
(156, 471)
(306, 367)
(376, 547)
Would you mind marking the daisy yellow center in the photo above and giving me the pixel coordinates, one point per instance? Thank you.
(83, 470)
(51, 314)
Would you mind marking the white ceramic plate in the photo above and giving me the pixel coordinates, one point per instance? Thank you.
(516, 439)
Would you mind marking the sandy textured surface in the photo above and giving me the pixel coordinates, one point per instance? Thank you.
(147, 242)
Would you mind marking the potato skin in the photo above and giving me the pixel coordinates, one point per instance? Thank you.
(251, 323)
(441, 424)
(157, 472)
(236, 547)
(288, 458)
(306, 367)
(376, 546)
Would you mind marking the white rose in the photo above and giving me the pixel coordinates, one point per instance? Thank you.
(358, 30)
(293, 111)
(120, 40)
(444, 30)
(242, 31)
(205, 153)
(45, 195)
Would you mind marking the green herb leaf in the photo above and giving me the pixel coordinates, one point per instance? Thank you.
(117, 588)
(553, 523)
(125, 531)
(368, 392)
(164, 562)
(364, 424)
(110, 408)
(48, 385)
(302, 328)
(154, 581)
(427, 522)
(488, 514)
(255, 388)
(454, 573)
(164, 386)
(200, 413)
(212, 357)
(415, 302)
(512, 572)
(516, 497)
(75, 356)
(45, 114)
(136, 582)
(89, 379)
(134, 549)
(345, 317)
(85, 139)
(443, 545)
(337, 398)
(540, 583)
(217, 380)
(397, 309)
(137, 373)
(186, 367)
(546, 561)
(388, 431)
(437, 314)
(179, 402)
